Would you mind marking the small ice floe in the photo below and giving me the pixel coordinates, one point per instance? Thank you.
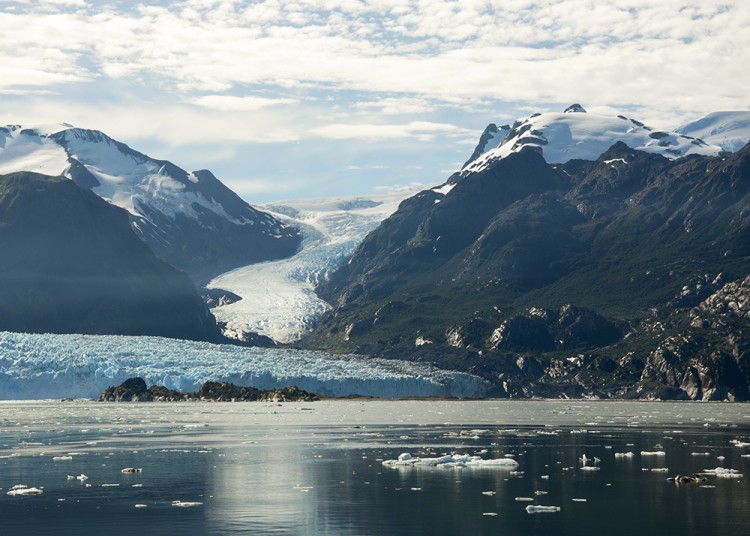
(450, 460)
(19, 490)
(82, 477)
(71, 477)
(738, 443)
(723, 472)
(524, 499)
(137, 486)
(707, 486)
(186, 504)
(489, 513)
(624, 455)
(489, 493)
(110, 485)
(653, 453)
(140, 505)
(544, 477)
(539, 509)
(700, 453)
(721, 458)
(540, 492)
(61, 458)
(579, 500)
(589, 468)
(131, 470)
(659, 469)
(416, 489)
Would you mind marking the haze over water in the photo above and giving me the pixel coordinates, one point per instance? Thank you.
(316, 468)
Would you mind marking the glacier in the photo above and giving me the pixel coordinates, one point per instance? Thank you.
(278, 297)
(45, 366)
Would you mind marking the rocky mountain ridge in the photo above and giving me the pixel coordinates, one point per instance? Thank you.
(190, 220)
(587, 278)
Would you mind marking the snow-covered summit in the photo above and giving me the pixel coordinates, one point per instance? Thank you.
(728, 130)
(575, 133)
(183, 216)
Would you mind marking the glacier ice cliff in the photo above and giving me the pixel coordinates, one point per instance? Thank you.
(34, 366)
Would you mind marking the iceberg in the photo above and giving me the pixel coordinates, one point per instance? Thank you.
(538, 509)
(43, 366)
(451, 460)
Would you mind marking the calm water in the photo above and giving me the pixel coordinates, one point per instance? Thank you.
(316, 468)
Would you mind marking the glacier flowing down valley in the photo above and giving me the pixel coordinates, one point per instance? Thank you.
(278, 297)
(43, 366)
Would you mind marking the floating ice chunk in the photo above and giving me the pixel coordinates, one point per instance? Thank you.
(660, 470)
(71, 477)
(62, 458)
(140, 505)
(110, 485)
(723, 472)
(653, 453)
(540, 492)
(589, 468)
(450, 460)
(524, 499)
(488, 493)
(187, 504)
(538, 509)
(544, 477)
(700, 453)
(82, 477)
(20, 490)
(579, 500)
(489, 513)
(624, 455)
(738, 443)
(131, 470)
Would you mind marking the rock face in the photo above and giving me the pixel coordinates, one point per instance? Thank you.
(70, 263)
(135, 390)
(626, 276)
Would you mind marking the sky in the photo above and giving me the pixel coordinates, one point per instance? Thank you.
(286, 99)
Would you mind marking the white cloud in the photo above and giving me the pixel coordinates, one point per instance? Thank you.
(227, 103)
(418, 130)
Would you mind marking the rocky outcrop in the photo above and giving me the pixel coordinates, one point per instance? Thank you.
(135, 390)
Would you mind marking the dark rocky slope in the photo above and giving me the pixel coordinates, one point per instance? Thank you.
(592, 278)
(70, 263)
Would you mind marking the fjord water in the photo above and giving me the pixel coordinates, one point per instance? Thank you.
(316, 468)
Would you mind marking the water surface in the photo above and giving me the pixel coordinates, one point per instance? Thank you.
(316, 468)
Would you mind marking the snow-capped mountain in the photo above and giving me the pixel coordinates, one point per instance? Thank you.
(728, 130)
(190, 220)
(576, 134)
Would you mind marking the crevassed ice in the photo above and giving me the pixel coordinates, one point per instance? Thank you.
(34, 366)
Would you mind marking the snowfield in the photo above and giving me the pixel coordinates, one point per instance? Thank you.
(81, 366)
(278, 299)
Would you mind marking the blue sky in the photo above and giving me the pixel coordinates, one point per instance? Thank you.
(286, 99)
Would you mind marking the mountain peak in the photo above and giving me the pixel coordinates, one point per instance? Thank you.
(574, 108)
(575, 134)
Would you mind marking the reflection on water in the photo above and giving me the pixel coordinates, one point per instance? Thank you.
(318, 468)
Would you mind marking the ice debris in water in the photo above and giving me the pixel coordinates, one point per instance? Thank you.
(524, 499)
(23, 489)
(130, 470)
(653, 453)
(624, 454)
(450, 460)
(538, 509)
(738, 443)
(62, 458)
(181, 504)
(723, 472)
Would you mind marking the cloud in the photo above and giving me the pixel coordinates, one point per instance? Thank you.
(228, 103)
(419, 130)
(665, 53)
